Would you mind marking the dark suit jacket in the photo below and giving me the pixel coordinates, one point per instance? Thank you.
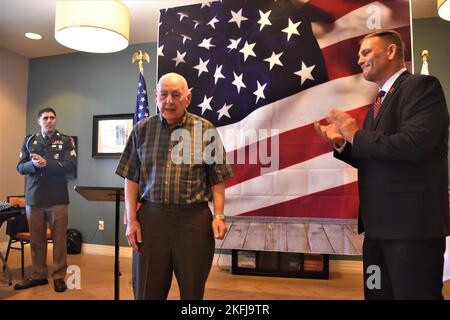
(402, 163)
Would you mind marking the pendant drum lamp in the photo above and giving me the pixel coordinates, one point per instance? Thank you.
(444, 9)
(92, 26)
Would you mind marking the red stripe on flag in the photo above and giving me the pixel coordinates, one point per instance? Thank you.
(332, 12)
(341, 58)
(335, 203)
(295, 146)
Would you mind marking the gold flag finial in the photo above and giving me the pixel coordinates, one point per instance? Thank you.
(424, 55)
(424, 69)
(141, 56)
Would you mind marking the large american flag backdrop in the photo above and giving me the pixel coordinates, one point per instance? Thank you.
(279, 65)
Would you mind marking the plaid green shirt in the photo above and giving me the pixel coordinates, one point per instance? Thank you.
(174, 166)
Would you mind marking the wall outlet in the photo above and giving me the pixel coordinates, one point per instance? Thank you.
(101, 225)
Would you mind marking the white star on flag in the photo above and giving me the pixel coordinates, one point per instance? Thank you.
(205, 4)
(237, 17)
(274, 59)
(206, 104)
(291, 29)
(247, 50)
(201, 67)
(186, 38)
(224, 111)
(206, 43)
(218, 74)
(264, 19)
(282, 91)
(182, 15)
(238, 82)
(259, 93)
(179, 58)
(213, 22)
(233, 44)
(305, 72)
(160, 51)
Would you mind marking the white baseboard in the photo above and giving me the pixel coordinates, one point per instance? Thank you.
(222, 260)
(126, 252)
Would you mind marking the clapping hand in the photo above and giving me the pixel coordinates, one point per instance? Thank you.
(346, 124)
(330, 133)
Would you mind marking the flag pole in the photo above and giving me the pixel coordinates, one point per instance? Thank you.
(140, 56)
(141, 103)
(424, 55)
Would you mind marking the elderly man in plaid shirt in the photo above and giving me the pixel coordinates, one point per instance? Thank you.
(173, 164)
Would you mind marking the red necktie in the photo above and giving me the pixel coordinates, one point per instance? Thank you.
(377, 104)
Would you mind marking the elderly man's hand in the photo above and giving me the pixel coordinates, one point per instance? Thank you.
(346, 124)
(133, 234)
(329, 133)
(219, 229)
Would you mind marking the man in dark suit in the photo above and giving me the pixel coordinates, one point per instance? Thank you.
(401, 157)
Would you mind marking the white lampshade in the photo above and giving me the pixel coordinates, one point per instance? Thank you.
(444, 9)
(92, 26)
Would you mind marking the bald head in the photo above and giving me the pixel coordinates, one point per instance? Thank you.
(173, 77)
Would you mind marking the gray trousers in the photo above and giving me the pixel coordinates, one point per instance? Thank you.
(56, 217)
(175, 239)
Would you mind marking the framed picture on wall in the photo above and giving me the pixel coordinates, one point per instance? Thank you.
(110, 134)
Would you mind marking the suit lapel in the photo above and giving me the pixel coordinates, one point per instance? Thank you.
(367, 125)
(385, 105)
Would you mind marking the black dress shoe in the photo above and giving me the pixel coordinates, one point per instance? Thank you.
(30, 282)
(60, 285)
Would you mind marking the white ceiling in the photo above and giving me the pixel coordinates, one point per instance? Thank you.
(20, 16)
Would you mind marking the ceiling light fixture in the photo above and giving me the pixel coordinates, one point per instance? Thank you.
(92, 26)
(33, 36)
(444, 9)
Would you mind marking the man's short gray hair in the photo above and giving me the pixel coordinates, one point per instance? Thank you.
(174, 76)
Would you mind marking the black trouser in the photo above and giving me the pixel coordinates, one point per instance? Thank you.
(409, 269)
(175, 239)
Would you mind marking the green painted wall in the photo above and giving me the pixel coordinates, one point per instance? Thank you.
(433, 35)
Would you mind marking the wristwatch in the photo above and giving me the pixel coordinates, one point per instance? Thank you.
(219, 217)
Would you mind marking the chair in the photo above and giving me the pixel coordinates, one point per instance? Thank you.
(18, 231)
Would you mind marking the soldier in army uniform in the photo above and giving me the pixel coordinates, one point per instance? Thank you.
(46, 157)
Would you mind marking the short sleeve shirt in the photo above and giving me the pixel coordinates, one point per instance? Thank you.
(176, 166)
